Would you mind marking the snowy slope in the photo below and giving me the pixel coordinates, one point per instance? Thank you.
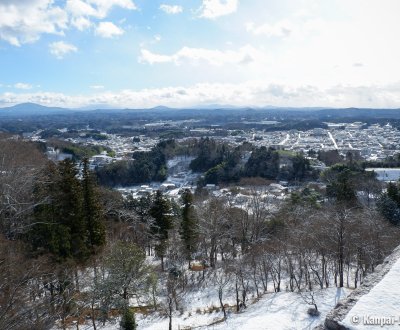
(284, 310)
(381, 304)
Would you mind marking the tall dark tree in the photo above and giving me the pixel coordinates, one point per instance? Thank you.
(389, 204)
(161, 211)
(340, 184)
(393, 192)
(389, 209)
(300, 167)
(189, 232)
(92, 211)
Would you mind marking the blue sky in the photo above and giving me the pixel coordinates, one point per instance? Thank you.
(144, 53)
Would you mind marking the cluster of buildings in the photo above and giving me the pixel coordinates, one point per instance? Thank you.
(374, 142)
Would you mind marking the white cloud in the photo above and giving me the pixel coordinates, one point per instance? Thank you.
(97, 87)
(108, 30)
(96, 8)
(171, 9)
(81, 23)
(286, 28)
(24, 21)
(104, 6)
(61, 48)
(280, 29)
(23, 86)
(80, 8)
(244, 55)
(215, 8)
(244, 94)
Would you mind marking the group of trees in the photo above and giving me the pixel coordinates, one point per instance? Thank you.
(68, 220)
(221, 163)
(144, 167)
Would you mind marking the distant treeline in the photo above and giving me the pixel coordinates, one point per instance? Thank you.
(389, 162)
(133, 121)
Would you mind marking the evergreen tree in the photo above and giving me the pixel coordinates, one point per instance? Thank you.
(388, 204)
(389, 209)
(69, 208)
(92, 210)
(189, 225)
(128, 320)
(162, 213)
(393, 192)
(341, 184)
(300, 167)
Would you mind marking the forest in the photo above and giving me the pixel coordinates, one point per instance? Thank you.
(75, 252)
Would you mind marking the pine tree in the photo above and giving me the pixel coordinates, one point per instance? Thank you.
(128, 320)
(69, 203)
(393, 192)
(162, 213)
(92, 211)
(189, 225)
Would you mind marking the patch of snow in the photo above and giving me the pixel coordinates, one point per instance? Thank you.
(278, 311)
(381, 303)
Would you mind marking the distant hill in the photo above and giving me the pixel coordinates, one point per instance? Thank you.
(31, 109)
(318, 113)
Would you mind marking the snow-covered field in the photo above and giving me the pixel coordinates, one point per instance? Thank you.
(380, 308)
(283, 310)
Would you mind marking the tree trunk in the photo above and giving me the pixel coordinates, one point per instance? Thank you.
(93, 317)
(220, 292)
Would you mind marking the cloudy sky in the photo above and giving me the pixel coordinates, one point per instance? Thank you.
(144, 53)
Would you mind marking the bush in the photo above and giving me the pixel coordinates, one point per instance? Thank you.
(313, 312)
(128, 320)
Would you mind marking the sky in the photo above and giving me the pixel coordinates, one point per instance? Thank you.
(187, 53)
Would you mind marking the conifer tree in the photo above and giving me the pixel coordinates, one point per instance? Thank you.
(162, 213)
(70, 210)
(189, 225)
(128, 320)
(92, 211)
(393, 192)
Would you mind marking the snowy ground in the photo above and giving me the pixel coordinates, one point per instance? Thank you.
(284, 310)
(380, 308)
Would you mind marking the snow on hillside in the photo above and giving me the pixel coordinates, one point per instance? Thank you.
(283, 310)
(380, 307)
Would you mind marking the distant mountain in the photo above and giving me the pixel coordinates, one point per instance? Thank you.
(31, 109)
(162, 108)
(217, 106)
(321, 113)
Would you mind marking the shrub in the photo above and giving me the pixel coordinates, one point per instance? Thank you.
(313, 312)
(128, 320)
